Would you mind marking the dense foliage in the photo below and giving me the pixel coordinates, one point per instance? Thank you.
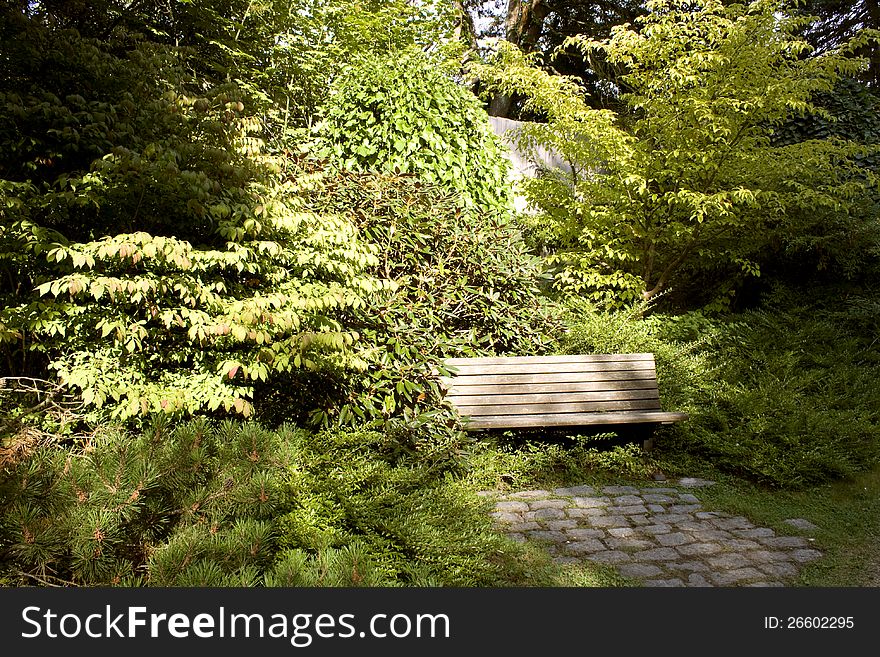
(233, 504)
(783, 395)
(295, 210)
(464, 285)
(323, 36)
(839, 20)
(830, 243)
(686, 183)
(154, 257)
(407, 115)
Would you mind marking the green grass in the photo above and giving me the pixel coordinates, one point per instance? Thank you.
(529, 565)
(846, 512)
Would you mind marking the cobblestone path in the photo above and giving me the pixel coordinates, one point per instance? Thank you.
(660, 536)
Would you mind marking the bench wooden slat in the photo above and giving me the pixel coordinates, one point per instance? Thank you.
(549, 377)
(574, 358)
(564, 407)
(552, 397)
(458, 387)
(552, 368)
(573, 419)
(551, 391)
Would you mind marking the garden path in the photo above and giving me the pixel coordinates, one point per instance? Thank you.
(657, 535)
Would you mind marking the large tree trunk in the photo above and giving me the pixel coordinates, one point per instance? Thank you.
(464, 25)
(525, 22)
(523, 26)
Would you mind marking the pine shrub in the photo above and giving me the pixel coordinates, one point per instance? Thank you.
(232, 504)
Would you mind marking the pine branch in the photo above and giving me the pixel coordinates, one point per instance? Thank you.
(63, 582)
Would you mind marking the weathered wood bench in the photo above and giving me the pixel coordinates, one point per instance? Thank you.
(556, 391)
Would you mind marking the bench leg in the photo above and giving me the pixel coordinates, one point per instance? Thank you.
(648, 444)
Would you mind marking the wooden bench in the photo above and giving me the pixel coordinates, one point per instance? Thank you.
(556, 391)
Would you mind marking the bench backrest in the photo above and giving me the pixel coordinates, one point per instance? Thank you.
(485, 389)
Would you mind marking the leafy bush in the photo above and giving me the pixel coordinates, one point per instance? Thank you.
(683, 345)
(405, 114)
(684, 185)
(316, 38)
(464, 285)
(152, 254)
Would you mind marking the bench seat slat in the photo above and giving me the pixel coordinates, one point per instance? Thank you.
(558, 377)
(554, 391)
(563, 407)
(459, 388)
(540, 397)
(551, 368)
(573, 419)
(575, 358)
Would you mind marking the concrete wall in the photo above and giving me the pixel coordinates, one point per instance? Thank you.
(523, 166)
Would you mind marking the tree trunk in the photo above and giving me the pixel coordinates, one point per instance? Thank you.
(523, 26)
(464, 25)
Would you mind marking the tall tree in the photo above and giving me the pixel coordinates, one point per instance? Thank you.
(542, 26)
(685, 180)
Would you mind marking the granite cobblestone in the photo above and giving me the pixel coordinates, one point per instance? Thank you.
(658, 536)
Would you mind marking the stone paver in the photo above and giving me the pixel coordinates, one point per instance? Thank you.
(544, 514)
(639, 570)
(660, 536)
(587, 546)
(802, 523)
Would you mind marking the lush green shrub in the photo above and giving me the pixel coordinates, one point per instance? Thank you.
(152, 254)
(417, 525)
(404, 113)
(784, 395)
(464, 285)
(317, 38)
(683, 345)
(683, 185)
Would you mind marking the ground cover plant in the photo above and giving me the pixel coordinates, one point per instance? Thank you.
(781, 395)
(235, 504)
